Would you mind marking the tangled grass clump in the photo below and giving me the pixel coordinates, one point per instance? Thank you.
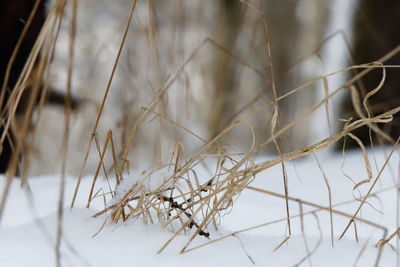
(175, 196)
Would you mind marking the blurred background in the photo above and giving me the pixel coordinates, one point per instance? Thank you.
(194, 67)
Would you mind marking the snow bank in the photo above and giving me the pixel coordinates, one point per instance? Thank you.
(27, 235)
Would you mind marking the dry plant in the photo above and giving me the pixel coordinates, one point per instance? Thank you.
(184, 199)
(170, 192)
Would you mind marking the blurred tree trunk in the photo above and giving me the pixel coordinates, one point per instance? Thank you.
(376, 32)
(223, 66)
(295, 30)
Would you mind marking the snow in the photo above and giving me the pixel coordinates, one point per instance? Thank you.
(28, 227)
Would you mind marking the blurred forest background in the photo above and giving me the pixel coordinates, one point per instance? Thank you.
(188, 70)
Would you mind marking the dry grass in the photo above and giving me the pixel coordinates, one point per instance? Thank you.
(183, 201)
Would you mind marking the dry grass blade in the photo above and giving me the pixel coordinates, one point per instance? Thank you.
(67, 110)
(276, 116)
(319, 208)
(374, 91)
(383, 242)
(361, 252)
(329, 196)
(367, 164)
(101, 163)
(281, 243)
(303, 234)
(308, 256)
(103, 102)
(176, 124)
(370, 189)
(357, 107)
(244, 249)
(326, 91)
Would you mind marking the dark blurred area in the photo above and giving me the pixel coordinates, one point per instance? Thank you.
(376, 32)
(13, 17)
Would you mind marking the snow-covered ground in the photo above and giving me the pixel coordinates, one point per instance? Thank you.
(28, 227)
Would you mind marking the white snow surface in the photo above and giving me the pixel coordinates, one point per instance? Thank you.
(28, 226)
